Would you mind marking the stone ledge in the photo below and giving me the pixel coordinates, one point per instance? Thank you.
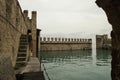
(33, 65)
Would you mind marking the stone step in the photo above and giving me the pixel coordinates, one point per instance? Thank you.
(23, 40)
(23, 47)
(21, 54)
(22, 50)
(20, 64)
(23, 36)
(21, 59)
(23, 43)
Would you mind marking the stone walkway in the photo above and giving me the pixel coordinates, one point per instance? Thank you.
(32, 66)
(31, 76)
(32, 71)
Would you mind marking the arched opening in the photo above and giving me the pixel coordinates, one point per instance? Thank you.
(112, 10)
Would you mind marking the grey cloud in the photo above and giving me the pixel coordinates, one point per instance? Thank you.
(68, 16)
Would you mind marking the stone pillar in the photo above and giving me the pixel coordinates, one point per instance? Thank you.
(55, 39)
(48, 39)
(52, 39)
(59, 39)
(40, 39)
(72, 40)
(66, 40)
(62, 40)
(112, 10)
(38, 42)
(69, 40)
(77, 40)
(25, 13)
(90, 40)
(34, 26)
(81, 40)
(27, 20)
(44, 39)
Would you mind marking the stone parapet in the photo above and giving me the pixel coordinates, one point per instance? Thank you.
(49, 44)
(65, 40)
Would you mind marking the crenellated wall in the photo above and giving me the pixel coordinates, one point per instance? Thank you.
(48, 44)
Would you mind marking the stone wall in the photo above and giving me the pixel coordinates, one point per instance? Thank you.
(48, 44)
(13, 23)
(6, 69)
(103, 42)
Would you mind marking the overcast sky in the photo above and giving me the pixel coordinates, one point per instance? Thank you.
(68, 16)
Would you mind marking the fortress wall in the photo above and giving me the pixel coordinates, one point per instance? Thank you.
(64, 40)
(49, 44)
(13, 23)
(63, 46)
(102, 41)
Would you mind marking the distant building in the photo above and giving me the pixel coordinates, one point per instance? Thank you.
(103, 42)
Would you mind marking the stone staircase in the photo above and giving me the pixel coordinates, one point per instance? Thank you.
(22, 51)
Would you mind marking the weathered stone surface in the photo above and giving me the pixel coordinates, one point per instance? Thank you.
(103, 42)
(6, 69)
(112, 9)
(65, 44)
(13, 23)
(33, 65)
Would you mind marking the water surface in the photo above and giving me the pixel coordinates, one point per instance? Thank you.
(77, 65)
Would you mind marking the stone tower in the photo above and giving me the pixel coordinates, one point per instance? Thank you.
(34, 30)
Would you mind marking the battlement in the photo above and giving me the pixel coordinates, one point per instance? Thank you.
(64, 40)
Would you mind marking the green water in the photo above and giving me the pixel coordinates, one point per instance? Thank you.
(77, 65)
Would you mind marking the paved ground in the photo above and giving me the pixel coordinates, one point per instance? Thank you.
(32, 66)
(31, 71)
(31, 76)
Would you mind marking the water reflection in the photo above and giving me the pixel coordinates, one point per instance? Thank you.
(102, 56)
(76, 64)
(66, 56)
(94, 56)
